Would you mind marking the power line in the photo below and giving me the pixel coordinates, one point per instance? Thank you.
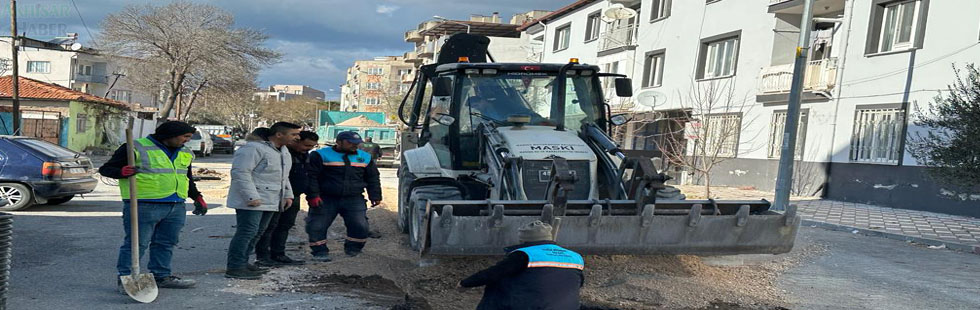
(83, 21)
(903, 70)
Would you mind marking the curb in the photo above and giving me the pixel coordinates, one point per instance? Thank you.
(972, 249)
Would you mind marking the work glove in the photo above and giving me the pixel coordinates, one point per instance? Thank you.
(314, 201)
(128, 171)
(200, 207)
(375, 203)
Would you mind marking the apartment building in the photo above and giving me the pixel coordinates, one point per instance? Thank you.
(281, 92)
(373, 85)
(69, 64)
(506, 43)
(873, 63)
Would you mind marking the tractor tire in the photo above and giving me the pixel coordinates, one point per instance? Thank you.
(417, 201)
(670, 193)
(405, 180)
(15, 196)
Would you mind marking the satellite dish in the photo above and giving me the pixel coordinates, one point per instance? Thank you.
(651, 98)
(75, 46)
(617, 12)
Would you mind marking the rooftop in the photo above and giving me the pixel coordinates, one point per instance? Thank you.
(37, 90)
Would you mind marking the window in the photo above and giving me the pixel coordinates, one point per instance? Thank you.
(562, 35)
(776, 134)
(372, 101)
(373, 86)
(721, 134)
(297, 92)
(653, 69)
(81, 123)
(403, 88)
(877, 136)
(85, 70)
(719, 58)
(376, 71)
(38, 67)
(592, 27)
(403, 72)
(660, 10)
(120, 95)
(896, 25)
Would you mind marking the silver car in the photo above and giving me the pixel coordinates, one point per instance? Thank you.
(201, 143)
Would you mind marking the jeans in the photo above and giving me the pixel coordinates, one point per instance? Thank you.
(159, 229)
(272, 243)
(250, 225)
(318, 220)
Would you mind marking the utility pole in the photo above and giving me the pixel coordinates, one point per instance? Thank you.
(784, 180)
(15, 79)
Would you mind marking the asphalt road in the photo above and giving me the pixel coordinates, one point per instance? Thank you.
(64, 258)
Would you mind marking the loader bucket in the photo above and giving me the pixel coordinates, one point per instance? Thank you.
(697, 227)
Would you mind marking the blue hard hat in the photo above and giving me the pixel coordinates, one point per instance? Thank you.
(350, 136)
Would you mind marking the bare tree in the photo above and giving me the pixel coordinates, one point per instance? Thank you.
(299, 110)
(712, 129)
(180, 39)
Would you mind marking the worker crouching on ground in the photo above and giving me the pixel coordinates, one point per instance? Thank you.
(163, 184)
(271, 249)
(536, 274)
(259, 188)
(338, 177)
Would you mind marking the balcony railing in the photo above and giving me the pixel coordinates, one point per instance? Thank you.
(413, 36)
(618, 36)
(821, 75)
(100, 79)
(775, 2)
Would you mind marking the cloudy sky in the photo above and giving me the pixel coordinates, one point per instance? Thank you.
(319, 38)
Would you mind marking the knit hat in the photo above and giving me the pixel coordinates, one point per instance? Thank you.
(172, 129)
(535, 231)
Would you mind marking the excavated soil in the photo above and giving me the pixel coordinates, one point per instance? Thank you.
(391, 275)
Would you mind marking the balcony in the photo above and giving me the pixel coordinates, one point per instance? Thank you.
(413, 36)
(618, 36)
(98, 79)
(821, 77)
(426, 50)
(775, 2)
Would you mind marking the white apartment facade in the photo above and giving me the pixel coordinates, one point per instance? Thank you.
(506, 43)
(873, 63)
(283, 92)
(81, 69)
(373, 85)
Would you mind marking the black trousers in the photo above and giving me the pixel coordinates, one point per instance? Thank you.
(273, 240)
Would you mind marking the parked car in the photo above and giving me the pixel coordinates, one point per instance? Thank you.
(223, 145)
(34, 171)
(201, 143)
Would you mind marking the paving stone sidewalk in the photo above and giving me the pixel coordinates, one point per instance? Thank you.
(935, 229)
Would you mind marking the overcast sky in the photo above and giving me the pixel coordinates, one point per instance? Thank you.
(319, 38)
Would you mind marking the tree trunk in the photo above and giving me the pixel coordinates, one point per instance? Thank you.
(176, 83)
(194, 93)
(707, 185)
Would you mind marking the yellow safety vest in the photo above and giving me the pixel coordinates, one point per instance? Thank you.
(158, 176)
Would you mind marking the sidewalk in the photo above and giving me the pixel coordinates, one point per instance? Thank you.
(933, 229)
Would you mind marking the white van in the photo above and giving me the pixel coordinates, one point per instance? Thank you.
(201, 143)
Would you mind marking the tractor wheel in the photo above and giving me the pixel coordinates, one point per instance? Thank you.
(417, 202)
(405, 180)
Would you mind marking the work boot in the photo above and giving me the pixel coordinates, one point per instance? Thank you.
(322, 258)
(119, 286)
(243, 274)
(257, 268)
(175, 282)
(352, 253)
(267, 262)
(374, 234)
(285, 260)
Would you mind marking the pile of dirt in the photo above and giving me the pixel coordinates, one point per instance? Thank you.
(360, 121)
(390, 268)
(209, 174)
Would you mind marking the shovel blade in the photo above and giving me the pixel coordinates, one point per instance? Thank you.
(141, 287)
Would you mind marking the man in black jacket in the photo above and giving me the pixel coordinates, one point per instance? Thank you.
(338, 177)
(270, 251)
(162, 216)
(537, 274)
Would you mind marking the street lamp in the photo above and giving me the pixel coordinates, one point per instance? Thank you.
(452, 22)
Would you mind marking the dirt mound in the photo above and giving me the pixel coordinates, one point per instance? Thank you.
(390, 272)
(360, 121)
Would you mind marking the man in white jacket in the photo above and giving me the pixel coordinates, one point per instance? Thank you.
(259, 188)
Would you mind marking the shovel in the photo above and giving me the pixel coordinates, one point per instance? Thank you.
(140, 286)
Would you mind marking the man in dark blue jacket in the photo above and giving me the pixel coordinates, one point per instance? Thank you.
(536, 274)
(338, 176)
(270, 251)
